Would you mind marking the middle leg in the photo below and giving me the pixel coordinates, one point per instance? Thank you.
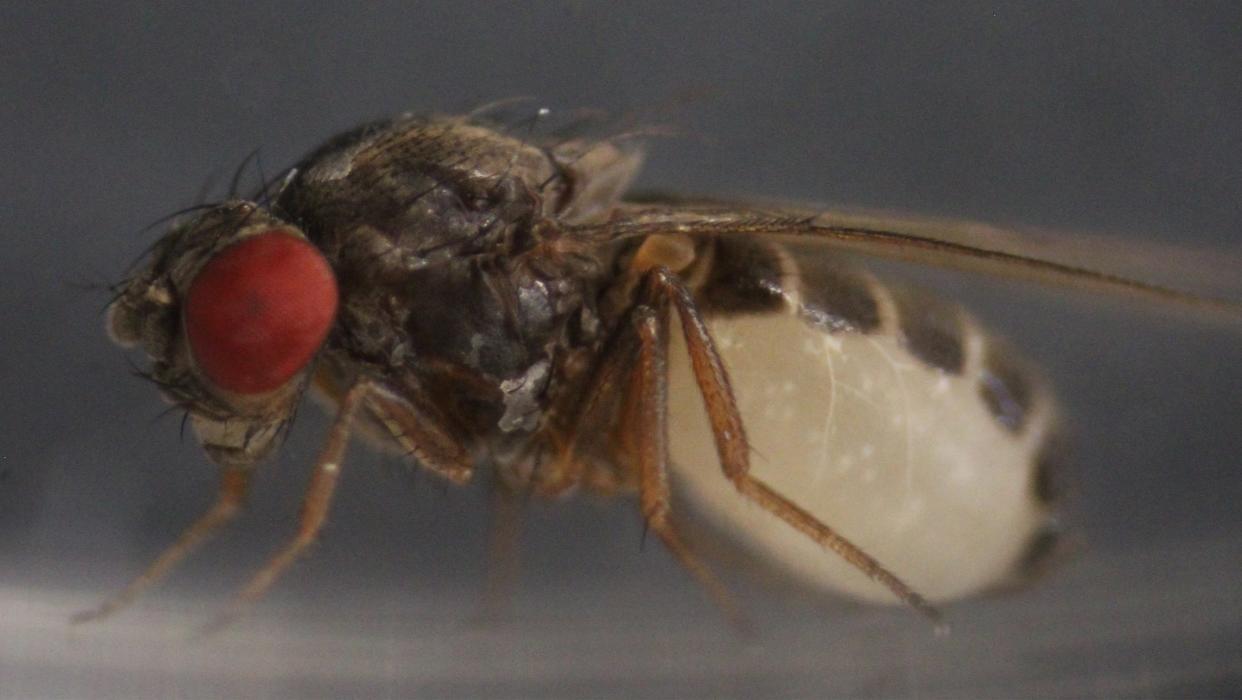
(647, 428)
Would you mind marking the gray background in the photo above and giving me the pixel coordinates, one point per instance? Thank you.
(1114, 117)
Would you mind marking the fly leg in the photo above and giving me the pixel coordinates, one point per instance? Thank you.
(417, 430)
(731, 444)
(413, 423)
(651, 431)
(234, 484)
(504, 531)
(633, 370)
(317, 500)
(314, 505)
(567, 469)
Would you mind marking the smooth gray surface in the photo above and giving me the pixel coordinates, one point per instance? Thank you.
(1123, 118)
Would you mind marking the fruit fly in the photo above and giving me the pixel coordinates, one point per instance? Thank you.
(478, 301)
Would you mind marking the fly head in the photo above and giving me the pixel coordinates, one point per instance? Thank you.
(231, 306)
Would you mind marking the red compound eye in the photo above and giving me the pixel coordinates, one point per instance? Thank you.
(259, 310)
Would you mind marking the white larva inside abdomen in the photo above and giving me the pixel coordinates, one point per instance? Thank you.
(901, 458)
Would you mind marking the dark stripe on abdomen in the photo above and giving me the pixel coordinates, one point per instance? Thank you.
(745, 277)
(1005, 386)
(836, 298)
(931, 329)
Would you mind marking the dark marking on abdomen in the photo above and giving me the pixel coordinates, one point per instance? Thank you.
(1005, 386)
(746, 277)
(1048, 545)
(836, 298)
(932, 329)
(1049, 480)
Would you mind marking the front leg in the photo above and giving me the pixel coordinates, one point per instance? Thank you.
(319, 493)
(234, 484)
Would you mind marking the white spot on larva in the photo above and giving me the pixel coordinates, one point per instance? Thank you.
(331, 467)
(868, 451)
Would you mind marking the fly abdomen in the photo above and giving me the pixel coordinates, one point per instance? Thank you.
(889, 415)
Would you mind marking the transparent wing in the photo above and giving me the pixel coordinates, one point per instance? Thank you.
(1215, 272)
(1207, 281)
